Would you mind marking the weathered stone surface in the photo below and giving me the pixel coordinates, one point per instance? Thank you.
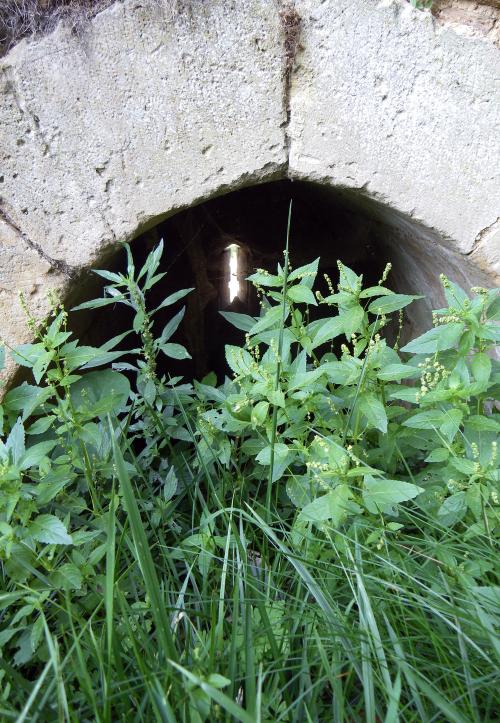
(387, 103)
(145, 113)
(150, 111)
(472, 19)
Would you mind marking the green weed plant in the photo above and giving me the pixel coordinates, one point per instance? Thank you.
(313, 539)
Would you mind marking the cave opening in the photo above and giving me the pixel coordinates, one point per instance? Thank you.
(214, 246)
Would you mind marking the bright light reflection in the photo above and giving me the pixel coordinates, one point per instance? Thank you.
(234, 284)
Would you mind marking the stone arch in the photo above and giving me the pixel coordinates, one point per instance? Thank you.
(160, 105)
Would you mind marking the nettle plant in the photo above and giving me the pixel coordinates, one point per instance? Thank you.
(324, 423)
(350, 435)
(57, 470)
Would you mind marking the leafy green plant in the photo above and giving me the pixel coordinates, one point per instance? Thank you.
(312, 539)
(345, 445)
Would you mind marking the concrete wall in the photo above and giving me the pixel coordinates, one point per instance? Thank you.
(156, 107)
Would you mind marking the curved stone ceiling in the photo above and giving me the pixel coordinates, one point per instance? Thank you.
(158, 106)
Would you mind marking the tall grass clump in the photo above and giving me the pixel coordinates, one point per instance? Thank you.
(313, 539)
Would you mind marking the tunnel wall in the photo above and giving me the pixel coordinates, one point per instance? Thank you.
(160, 104)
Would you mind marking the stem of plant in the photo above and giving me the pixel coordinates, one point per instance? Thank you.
(278, 368)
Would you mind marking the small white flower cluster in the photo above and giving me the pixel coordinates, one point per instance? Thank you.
(451, 318)
(329, 283)
(206, 426)
(352, 456)
(380, 543)
(431, 375)
(387, 269)
(494, 451)
(318, 466)
(454, 486)
(274, 348)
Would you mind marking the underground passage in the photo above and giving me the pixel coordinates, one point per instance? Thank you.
(214, 246)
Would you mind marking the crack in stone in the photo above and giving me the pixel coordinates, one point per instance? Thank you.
(487, 231)
(57, 264)
(291, 25)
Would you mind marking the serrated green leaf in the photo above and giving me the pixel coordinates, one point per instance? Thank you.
(425, 420)
(67, 577)
(454, 294)
(380, 495)
(41, 425)
(240, 321)
(301, 295)
(440, 454)
(342, 372)
(396, 372)
(34, 455)
(99, 303)
(374, 411)
(335, 506)
(463, 465)
(102, 391)
(481, 367)
(15, 442)
(478, 423)
(277, 398)
(272, 316)
(302, 380)
(49, 529)
(76, 356)
(453, 509)
(280, 452)
(349, 277)
(325, 330)
(352, 319)
(493, 305)
(26, 398)
(393, 302)
(266, 279)
(149, 392)
(175, 351)
(451, 423)
(173, 298)
(171, 327)
(170, 484)
(440, 338)
(474, 501)
(239, 360)
(297, 489)
(307, 273)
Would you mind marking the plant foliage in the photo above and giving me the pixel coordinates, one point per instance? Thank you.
(312, 539)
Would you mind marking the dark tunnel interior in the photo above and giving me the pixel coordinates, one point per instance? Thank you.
(197, 252)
